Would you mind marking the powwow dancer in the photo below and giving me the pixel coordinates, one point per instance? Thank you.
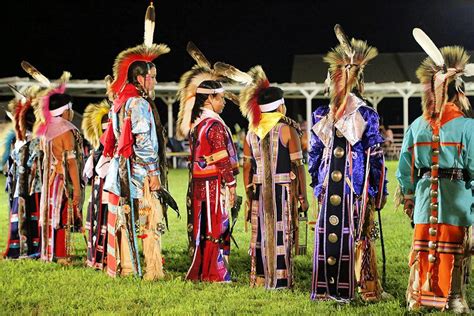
(62, 191)
(24, 179)
(212, 167)
(346, 164)
(435, 174)
(94, 122)
(135, 140)
(274, 178)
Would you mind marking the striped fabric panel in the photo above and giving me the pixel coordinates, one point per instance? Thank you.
(278, 178)
(282, 274)
(281, 250)
(111, 220)
(442, 247)
(434, 301)
(279, 226)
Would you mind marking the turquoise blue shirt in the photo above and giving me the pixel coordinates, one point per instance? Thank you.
(455, 197)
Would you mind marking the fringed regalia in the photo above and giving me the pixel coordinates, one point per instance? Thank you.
(213, 165)
(96, 169)
(436, 171)
(135, 142)
(126, 184)
(58, 216)
(273, 210)
(24, 182)
(272, 179)
(346, 164)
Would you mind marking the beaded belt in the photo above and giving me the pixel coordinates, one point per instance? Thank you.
(449, 173)
(212, 239)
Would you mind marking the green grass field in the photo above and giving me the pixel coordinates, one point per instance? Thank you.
(32, 287)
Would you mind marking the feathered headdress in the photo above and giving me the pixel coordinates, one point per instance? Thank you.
(41, 103)
(436, 72)
(92, 122)
(190, 81)
(248, 98)
(346, 66)
(19, 108)
(148, 51)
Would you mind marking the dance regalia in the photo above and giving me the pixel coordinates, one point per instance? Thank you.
(272, 179)
(61, 144)
(24, 187)
(273, 209)
(347, 169)
(58, 216)
(24, 234)
(346, 164)
(436, 171)
(96, 169)
(97, 211)
(441, 237)
(213, 166)
(135, 141)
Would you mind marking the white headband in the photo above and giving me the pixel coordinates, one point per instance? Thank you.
(61, 110)
(272, 105)
(209, 91)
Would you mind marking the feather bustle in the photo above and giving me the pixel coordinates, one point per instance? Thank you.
(190, 80)
(187, 86)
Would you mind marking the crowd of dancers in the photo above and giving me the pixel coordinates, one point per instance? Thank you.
(127, 170)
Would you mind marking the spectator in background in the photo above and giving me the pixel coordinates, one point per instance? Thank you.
(387, 135)
(239, 139)
(304, 139)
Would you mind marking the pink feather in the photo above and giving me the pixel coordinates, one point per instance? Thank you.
(44, 103)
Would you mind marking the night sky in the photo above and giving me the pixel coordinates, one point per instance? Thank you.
(84, 37)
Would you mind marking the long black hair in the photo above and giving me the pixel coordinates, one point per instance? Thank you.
(138, 68)
(202, 97)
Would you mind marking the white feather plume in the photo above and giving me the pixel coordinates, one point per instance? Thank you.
(428, 46)
(469, 70)
(149, 25)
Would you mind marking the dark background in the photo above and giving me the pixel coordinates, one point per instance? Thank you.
(84, 37)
